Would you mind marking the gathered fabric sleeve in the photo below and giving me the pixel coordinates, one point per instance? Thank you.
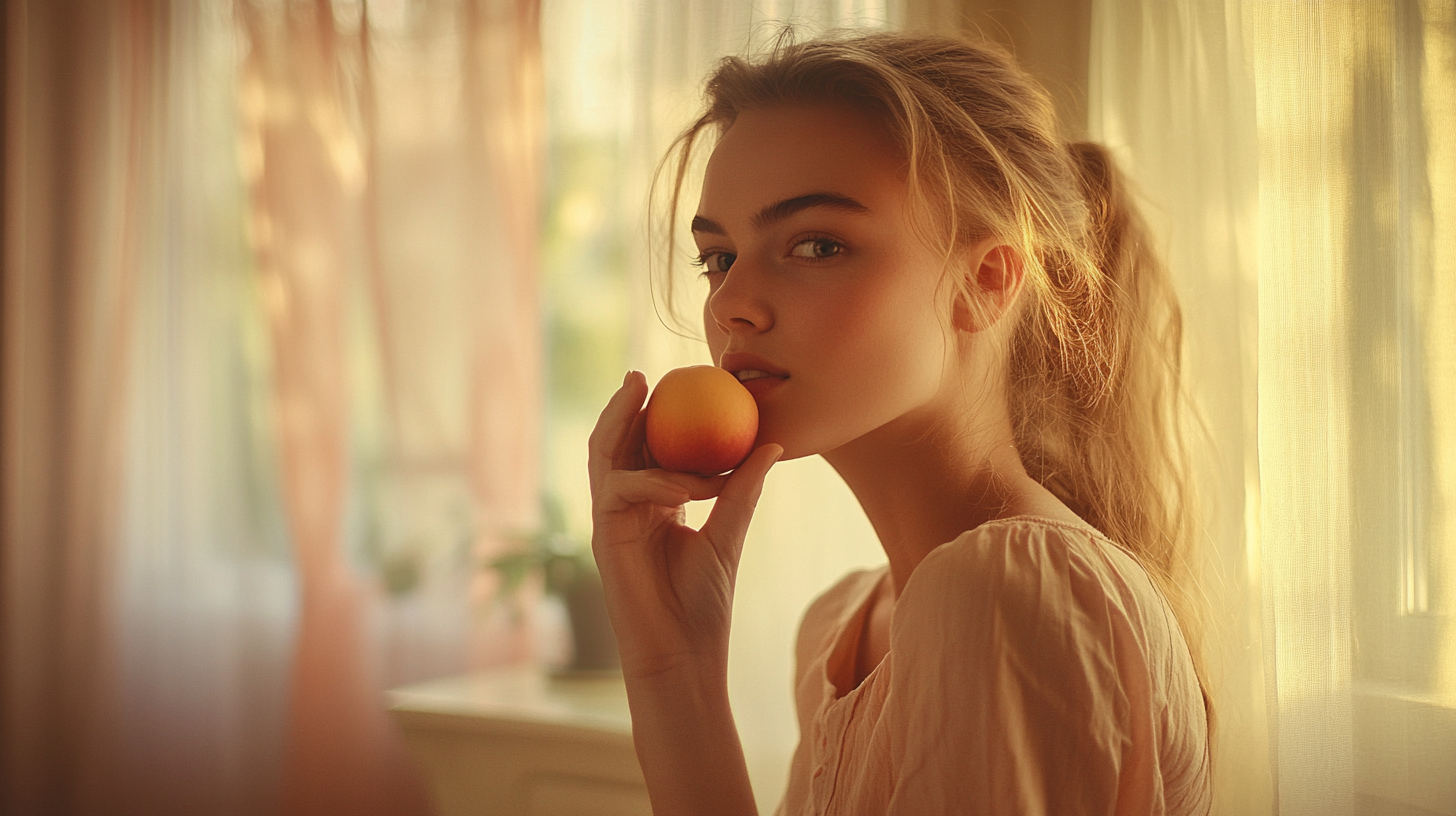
(1025, 680)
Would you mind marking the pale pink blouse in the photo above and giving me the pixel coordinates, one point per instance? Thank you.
(1033, 669)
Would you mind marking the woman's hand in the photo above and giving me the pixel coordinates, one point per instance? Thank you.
(669, 587)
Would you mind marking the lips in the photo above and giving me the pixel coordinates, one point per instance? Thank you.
(756, 373)
(748, 367)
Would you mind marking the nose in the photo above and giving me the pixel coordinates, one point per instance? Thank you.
(738, 304)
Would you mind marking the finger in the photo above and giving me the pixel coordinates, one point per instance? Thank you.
(728, 523)
(624, 488)
(689, 487)
(699, 488)
(614, 425)
(633, 454)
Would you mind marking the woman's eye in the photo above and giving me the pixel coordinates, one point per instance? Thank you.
(816, 248)
(716, 261)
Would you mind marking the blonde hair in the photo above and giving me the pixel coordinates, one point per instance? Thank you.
(1094, 363)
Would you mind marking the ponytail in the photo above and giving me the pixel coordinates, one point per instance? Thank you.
(1095, 375)
(1096, 392)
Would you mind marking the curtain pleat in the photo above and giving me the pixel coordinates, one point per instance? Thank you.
(82, 103)
(1304, 419)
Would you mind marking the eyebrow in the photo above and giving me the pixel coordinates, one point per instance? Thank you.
(784, 209)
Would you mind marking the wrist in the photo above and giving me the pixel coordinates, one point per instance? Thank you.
(695, 670)
(687, 742)
(686, 692)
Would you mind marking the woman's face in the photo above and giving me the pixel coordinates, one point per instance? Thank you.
(821, 297)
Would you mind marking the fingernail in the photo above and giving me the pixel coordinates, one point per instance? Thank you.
(627, 376)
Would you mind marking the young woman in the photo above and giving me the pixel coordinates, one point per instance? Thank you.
(922, 283)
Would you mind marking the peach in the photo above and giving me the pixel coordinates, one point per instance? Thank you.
(701, 419)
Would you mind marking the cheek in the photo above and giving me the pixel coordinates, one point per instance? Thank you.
(892, 347)
(907, 360)
(903, 345)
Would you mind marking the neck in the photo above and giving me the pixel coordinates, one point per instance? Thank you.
(923, 481)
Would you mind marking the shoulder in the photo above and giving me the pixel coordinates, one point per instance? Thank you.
(1028, 565)
(1039, 600)
(1013, 646)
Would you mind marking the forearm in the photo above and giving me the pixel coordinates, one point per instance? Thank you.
(687, 744)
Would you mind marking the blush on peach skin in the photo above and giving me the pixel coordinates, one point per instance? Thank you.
(700, 419)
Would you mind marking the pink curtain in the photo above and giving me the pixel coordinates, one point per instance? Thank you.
(374, 161)
(360, 181)
(343, 757)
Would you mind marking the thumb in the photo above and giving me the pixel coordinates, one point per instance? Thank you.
(728, 523)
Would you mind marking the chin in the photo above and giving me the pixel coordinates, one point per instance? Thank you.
(773, 432)
(796, 443)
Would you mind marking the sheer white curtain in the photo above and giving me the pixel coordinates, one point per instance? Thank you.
(1298, 163)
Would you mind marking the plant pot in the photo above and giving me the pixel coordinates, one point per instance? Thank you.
(594, 644)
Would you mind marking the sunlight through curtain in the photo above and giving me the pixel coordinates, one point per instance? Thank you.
(1298, 164)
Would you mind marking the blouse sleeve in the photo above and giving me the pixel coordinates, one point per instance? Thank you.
(1031, 691)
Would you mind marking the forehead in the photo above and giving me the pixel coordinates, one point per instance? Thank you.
(770, 154)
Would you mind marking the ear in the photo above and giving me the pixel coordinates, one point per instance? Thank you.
(995, 272)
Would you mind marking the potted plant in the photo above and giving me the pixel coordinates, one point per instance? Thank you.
(570, 573)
